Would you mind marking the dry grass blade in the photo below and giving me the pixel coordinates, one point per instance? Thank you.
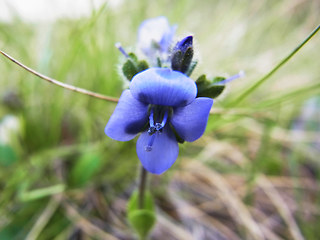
(235, 206)
(186, 210)
(281, 206)
(44, 218)
(60, 84)
(280, 134)
(84, 224)
(177, 231)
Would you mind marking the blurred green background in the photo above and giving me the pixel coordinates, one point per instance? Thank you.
(253, 175)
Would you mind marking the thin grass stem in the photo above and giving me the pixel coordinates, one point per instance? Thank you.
(276, 68)
(61, 84)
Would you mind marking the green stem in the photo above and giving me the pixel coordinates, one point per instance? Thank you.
(142, 187)
(265, 77)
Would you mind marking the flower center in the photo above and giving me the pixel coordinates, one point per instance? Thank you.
(157, 120)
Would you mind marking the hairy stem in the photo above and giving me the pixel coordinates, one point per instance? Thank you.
(61, 84)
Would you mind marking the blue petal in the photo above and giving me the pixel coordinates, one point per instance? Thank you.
(155, 34)
(164, 151)
(129, 117)
(163, 86)
(191, 121)
(184, 44)
(167, 39)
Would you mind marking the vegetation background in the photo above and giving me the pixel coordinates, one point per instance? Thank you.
(253, 175)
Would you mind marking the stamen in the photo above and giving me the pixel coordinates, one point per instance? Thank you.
(121, 49)
(151, 120)
(239, 75)
(156, 127)
(164, 121)
(152, 128)
(148, 148)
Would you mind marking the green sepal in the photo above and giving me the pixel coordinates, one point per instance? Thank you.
(159, 63)
(187, 59)
(142, 65)
(211, 92)
(218, 79)
(178, 138)
(176, 60)
(209, 88)
(132, 66)
(192, 67)
(182, 61)
(202, 80)
(129, 69)
(142, 219)
(133, 57)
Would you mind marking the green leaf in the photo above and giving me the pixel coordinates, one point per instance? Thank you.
(32, 195)
(133, 202)
(7, 155)
(84, 169)
(141, 219)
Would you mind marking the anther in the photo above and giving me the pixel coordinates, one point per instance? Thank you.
(161, 125)
(152, 128)
(164, 120)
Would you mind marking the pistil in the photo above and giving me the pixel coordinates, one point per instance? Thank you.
(148, 148)
(239, 75)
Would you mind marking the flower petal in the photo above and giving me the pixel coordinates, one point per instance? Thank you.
(164, 151)
(153, 33)
(167, 39)
(129, 117)
(191, 121)
(163, 86)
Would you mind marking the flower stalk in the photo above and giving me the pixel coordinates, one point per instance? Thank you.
(142, 187)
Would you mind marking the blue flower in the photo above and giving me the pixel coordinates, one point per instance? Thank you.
(155, 37)
(159, 103)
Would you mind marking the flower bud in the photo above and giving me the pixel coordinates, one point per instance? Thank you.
(182, 55)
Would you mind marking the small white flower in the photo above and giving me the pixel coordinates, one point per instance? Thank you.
(10, 125)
